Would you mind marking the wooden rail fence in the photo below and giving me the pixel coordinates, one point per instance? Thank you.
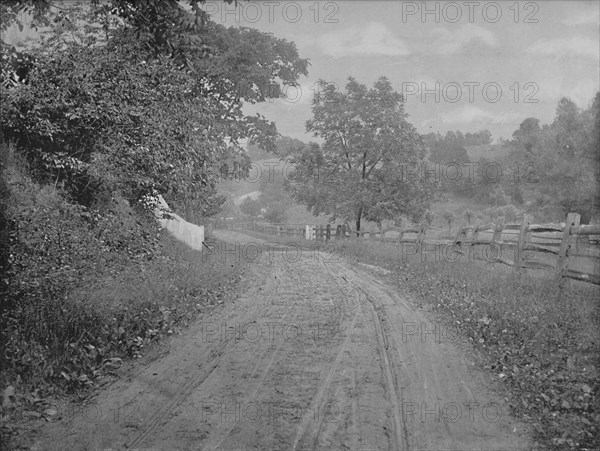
(569, 249)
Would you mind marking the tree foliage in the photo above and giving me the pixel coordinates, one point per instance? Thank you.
(120, 110)
(105, 119)
(118, 101)
(527, 135)
(564, 161)
(362, 169)
(276, 213)
(250, 207)
(451, 146)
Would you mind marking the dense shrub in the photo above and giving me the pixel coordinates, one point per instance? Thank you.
(50, 247)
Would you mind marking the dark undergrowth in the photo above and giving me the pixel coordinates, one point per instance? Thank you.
(84, 289)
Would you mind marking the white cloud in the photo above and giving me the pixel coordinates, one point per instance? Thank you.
(374, 39)
(469, 114)
(447, 41)
(561, 47)
(581, 91)
(589, 15)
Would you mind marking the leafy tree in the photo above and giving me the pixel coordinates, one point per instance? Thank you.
(120, 112)
(528, 134)
(565, 160)
(250, 207)
(447, 153)
(286, 145)
(170, 27)
(246, 66)
(276, 213)
(101, 118)
(593, 131)
(229, 209)
(271, 188)
(447, 149)
(478, 138)
(361, 170)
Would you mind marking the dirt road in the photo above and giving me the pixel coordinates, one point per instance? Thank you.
(315, 354)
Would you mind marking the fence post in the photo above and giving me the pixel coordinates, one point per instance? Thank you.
(524, 235)
(498, 230)
(460, 234)
(475, 233)
(421, 236)
(497, 237)
(474, 237)
(566, 243)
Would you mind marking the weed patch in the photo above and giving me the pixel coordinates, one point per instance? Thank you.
(84, 288)
(539, 338)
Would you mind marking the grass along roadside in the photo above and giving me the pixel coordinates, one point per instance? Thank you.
(91, 330)
(539, 339)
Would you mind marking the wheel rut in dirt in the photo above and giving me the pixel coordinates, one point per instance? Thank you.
(316, 354)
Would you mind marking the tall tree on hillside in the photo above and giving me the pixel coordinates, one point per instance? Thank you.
(478, 138)
(564, 158)
(528, 134)
(447, 149)
(367, 165)
(250, 207)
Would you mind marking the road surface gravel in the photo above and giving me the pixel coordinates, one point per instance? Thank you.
(316, 354)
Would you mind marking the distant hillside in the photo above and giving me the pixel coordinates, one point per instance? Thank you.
(254, 195)
(272, 170)
(487, 151)
(259, 170)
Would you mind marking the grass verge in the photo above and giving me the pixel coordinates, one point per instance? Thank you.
(70, 342)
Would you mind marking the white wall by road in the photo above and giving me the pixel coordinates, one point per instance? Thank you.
(190, 234)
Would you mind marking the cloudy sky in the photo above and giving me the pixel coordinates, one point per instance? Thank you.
(495, 63)
(464, 65)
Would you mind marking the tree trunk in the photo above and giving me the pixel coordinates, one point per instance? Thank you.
(358, 216)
